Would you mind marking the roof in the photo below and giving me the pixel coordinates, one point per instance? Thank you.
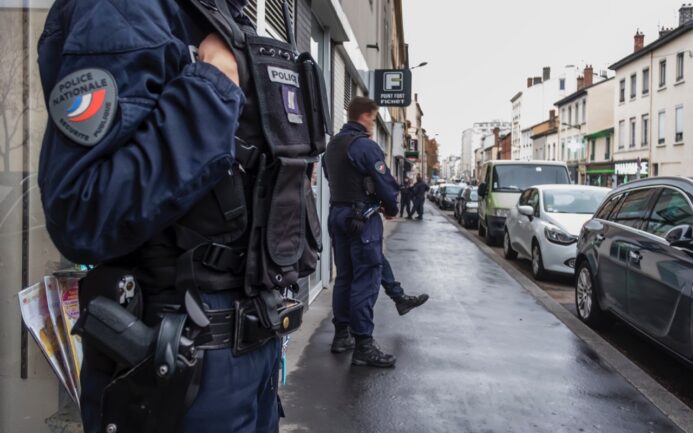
(653, 46)
(570, 98)
(534, 162)
(515, 98)
(571, 187)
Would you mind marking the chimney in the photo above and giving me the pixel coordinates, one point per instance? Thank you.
(639, 41)
(537, 80)
(580, 82)
(665, 31)
(685, 14)
(529, 82)
(547, 73)
(589, 72)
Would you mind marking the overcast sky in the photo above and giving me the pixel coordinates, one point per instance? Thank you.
(480, 53)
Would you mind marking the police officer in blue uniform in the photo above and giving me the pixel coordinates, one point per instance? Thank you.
(359, 182)
(143, 168)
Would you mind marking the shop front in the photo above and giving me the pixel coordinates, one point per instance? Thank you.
(600, 174)
(628, 171)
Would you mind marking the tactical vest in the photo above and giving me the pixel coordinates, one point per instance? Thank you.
(346, 183)
(258, 229)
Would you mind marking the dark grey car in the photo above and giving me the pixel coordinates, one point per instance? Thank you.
(635, 260)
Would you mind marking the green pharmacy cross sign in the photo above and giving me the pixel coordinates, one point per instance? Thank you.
(392, 87)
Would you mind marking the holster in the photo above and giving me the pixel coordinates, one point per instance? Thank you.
(155, 371)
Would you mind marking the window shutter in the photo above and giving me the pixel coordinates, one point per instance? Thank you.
(250, 11)
(274, 16)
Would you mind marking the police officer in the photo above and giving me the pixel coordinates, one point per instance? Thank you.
(359, 180)
(419, 192)
(405, 199)
(144, 104)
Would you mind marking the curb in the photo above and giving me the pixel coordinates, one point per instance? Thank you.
(665, 401)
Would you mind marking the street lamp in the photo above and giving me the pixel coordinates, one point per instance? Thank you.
(420, 65)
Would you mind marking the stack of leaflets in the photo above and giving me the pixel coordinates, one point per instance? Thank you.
(50, 309)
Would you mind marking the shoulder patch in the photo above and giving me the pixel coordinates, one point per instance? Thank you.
(380, 167)
(83, 105)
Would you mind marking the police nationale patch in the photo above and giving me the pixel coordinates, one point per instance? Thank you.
(380, 167)
(83, 105)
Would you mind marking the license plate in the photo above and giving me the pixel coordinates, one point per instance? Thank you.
(472, 210)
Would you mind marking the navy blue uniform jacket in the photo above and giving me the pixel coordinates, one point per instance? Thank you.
(172, 137)
(366, 155)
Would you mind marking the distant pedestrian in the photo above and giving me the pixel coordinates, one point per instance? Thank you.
(419, 196)
(405, 198)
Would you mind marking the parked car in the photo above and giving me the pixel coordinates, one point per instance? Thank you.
(545, 223)
(448, 195)
(467, 206)
(503, 181)
(635, 261)
(432, 192)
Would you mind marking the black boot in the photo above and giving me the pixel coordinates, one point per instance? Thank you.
(343, 341)
(406, 303)
(368, 353)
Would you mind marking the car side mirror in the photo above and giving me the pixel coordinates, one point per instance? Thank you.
(527, 211)
(680, 236)
(481, 192)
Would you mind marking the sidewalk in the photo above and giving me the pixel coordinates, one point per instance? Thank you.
(483, 355)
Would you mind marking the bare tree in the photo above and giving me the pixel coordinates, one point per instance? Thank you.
(12, 109)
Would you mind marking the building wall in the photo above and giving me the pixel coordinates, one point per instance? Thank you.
(632, 108)
(673, 158)
(600, 110)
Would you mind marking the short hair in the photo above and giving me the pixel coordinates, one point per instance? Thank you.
(360, 105)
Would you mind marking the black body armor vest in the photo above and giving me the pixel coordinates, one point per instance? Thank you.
(258, 229)
(346, 183)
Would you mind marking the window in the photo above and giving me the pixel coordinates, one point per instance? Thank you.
(646, 81)
(662, 127)
(632, 132)
(672, 209)
(645, 129)
(607, 151)
(622, 91)
(662, 73)
(679, 66)
(608, 207)
(593, 148)
(679, 124)
(561, 84)
(562, 150)
(577, 113)
(517, 178)
(633, 86)
(570, 115)
(635, 208)
(621, 134)
(584, 111)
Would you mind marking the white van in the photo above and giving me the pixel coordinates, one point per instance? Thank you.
(501, 184)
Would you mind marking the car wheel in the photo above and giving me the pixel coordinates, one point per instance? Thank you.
(538, 270)
(508, 250)
(587, 301)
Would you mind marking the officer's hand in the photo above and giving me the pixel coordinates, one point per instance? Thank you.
(213, 50)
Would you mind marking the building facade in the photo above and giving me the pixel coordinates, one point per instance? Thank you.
(529, 107)
(472, 139)
(651, 103)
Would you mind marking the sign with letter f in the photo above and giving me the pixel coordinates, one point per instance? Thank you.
(392, 87)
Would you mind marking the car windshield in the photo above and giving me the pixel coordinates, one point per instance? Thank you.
(517, 178)
(452, 190)
(573, 201)
(473, 196)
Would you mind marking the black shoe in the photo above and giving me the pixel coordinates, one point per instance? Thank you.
(343, 342)
(419, 218)
(409, 217)
(368, 353)
(406, 303)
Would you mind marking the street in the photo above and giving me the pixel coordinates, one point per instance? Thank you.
(670, 372)
(483, 355)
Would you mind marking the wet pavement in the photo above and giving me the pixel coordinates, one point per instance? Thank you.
(481, 356)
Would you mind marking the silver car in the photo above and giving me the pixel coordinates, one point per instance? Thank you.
(545, 223)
